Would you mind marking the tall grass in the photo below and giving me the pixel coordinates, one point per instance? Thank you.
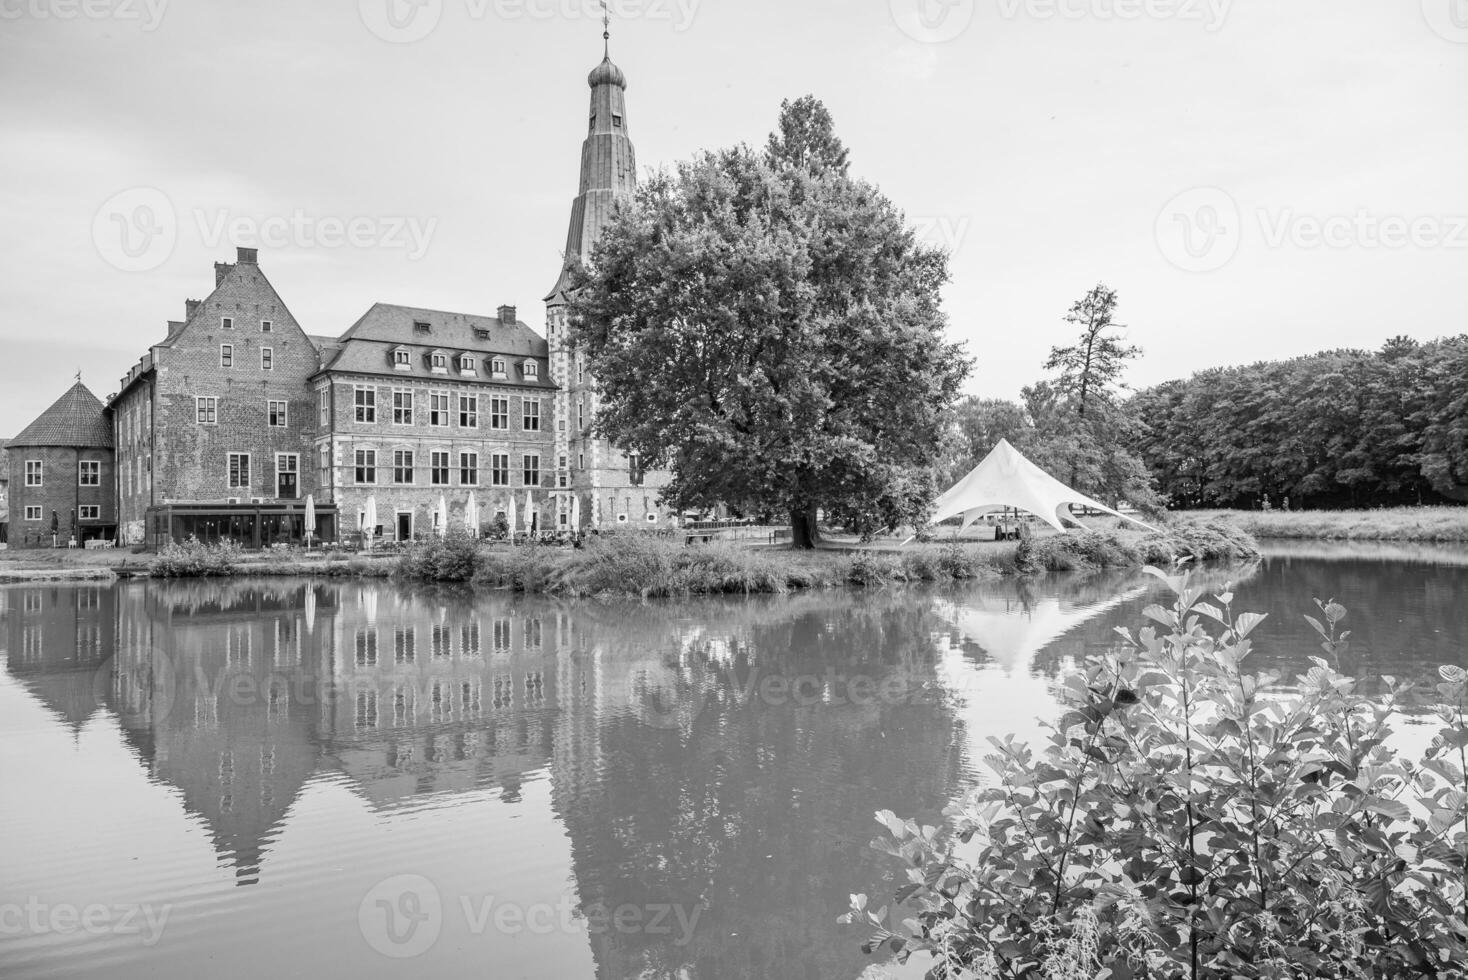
(1387, 524)
(656, 567)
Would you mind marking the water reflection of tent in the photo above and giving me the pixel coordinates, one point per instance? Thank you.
(1006, 479)
(1011, 632)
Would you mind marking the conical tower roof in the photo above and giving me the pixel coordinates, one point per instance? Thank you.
(77, 419)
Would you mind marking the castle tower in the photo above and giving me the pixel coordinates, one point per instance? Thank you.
(613, 489)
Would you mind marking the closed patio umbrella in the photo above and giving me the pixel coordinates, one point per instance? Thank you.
(310, 523)
(471, 514)
(529, 512)
(441, 517)
(511, 516)
(369, 520)
(576, 514)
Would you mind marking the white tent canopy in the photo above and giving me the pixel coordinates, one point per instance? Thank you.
(1007, 479)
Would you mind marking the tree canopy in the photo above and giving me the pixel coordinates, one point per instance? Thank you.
(769, 329)
(1339, 428)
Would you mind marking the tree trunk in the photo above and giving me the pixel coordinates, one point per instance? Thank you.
(803, 531)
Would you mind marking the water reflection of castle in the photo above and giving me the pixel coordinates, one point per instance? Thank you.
(674, 785)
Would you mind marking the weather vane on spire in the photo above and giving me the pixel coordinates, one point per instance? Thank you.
(606, 29)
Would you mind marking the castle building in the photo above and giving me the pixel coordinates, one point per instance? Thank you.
(418, 408)
(215, 424)
(614, 489)
(64, 486)
(237, 415)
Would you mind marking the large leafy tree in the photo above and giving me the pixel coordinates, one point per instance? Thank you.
(771, 332)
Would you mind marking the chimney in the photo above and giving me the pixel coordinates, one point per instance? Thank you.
(247, 256)
(174, 326)
(191, 306)
(221, 269)
(507, 316)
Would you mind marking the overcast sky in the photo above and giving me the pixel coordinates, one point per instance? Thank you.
(1256, 178)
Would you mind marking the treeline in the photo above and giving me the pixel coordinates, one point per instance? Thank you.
(1343, 428)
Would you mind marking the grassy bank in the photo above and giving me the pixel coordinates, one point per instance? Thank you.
(653, 567)
(1388, 524)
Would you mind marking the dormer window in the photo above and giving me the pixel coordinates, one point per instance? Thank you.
(420, 327)
(616, 121)
(401, 359)
(438, 361)
(466, 364)
(481, 334)
(497, 367)
(532, 369)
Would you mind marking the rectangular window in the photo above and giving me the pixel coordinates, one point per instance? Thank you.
(532, 470)
(206, 410)
(532, 370)
(33, 513)
(226, 355)
(499, 469)
(402, 466)
(401, 360)
(402, 407)
(466, 364)
(580, 369)
(469, 411)
(323, 407)
(267, 358)
(366, 468)
(421, 327)
(438, 409)
(239, 471)
(323, 467)
(89, 512)
(497, 367)
(581, 415)
(34, 473)
(532, 415)
(267, 327)
(469, 469)
(365, 400)
(277, 413)
(89, 473)
(439, 469)
(499, 413)
(226, 322)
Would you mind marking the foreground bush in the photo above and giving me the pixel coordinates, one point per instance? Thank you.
(195, 559)
(1207, 540)
(455, 557)
(1186, 819)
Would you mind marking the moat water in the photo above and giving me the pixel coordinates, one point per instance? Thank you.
(280, 779)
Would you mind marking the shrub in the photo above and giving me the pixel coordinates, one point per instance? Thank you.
(1185, 819)
(455, 557)
(871, 568)
(193, 558)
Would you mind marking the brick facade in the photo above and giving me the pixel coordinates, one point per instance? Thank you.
(61, 493)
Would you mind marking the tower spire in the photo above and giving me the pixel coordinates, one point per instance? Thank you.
(606, 30)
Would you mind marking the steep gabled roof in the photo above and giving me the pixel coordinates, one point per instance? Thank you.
(76, 419)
